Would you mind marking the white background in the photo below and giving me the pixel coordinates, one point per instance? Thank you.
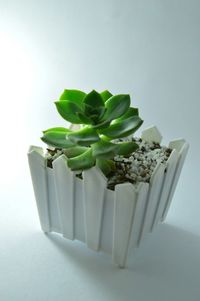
(149, 49)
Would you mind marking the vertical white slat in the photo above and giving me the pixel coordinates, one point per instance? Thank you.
(168, 178)
(141, 201)
(79, 218)
(54, 213)
(37, 164)
(94, 183)
(106, 243)
(182, 147)
(124, 206)
(64, 183)
(155, 189)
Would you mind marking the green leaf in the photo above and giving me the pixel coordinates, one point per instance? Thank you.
(122, 128)
(57, 139)
(116, 106)
(68, 110)
(81, 162)
(90, 111)
(106, 166)
(75, 96)
(94, 106)
(130, 113)
(126, 148)
(101, 112)
(105, 95)
(93, 99)
(94, 113)
(84, 119)
(102, 125)
(75, 151)
(57, 129)
(104, 149)
(85, 136)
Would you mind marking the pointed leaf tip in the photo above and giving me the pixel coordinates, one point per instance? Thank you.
(93, 100)
(116, 106)
(73, 95)
(68, 110)
(122, 128)
(56, 138)
(105, 95)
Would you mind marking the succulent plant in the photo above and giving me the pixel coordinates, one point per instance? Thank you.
(103, 118)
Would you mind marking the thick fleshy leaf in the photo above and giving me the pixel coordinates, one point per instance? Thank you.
(84, 118)
(104, 149)
(93, 99)
(101, 112)
(116, 106)
(57, 139)
(75, 151)
(68, 110)
(130, 113)
(94, 106)
(57, 129)
(106, 166)
(122, 128)
(86, 136)
(102, 125)
(105, 95)
(75, 96)
(126, 148)
(93, 112)
(81, 162)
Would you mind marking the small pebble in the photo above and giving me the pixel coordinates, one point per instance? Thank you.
(141, 163)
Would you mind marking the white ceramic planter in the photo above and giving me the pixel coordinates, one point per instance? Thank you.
(112, 221)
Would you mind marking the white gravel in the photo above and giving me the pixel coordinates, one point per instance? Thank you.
(140, 165)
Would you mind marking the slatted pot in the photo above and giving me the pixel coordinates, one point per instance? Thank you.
(84, 209)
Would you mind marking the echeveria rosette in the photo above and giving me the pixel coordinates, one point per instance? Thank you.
(104, 117)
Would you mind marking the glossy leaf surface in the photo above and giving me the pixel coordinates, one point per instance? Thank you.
(75, 96)
(58, 129)
(75, 151)
(130, 113)
(104, 149)
(116, 106)
(57, 139)
(84, 119)
(81, 162)
(93, 99)
(126, 148)
(68, 110)
(105, 95)
(122, 128)
(85, 136)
